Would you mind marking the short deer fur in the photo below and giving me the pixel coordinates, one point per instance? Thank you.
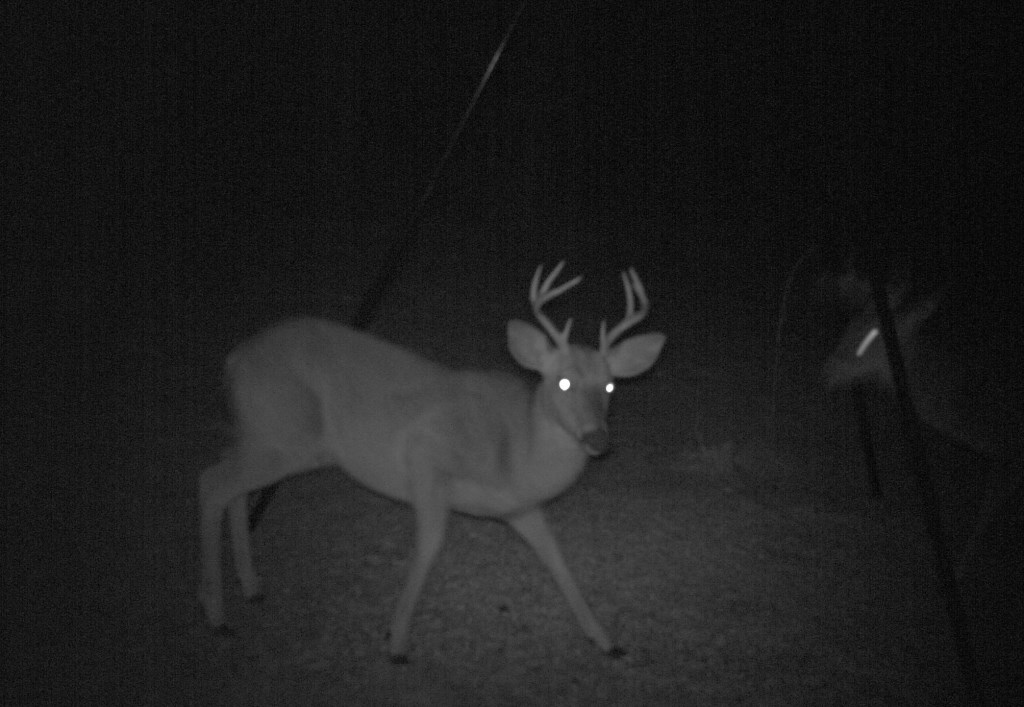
(310, 393)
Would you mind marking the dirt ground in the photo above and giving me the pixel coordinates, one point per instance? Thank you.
(727, 542)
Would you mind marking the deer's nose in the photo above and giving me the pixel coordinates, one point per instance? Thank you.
(595, 442)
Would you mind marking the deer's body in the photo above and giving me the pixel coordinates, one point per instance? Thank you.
(475, 427)
(309, 393)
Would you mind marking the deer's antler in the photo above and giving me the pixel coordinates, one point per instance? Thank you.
(542, 293)
(634, 294)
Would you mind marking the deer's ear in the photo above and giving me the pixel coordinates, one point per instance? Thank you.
(528, 345)
(635, 355)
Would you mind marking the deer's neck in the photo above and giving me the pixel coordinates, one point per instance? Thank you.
(552, 458)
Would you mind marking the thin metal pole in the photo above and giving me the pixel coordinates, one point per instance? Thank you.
(919, 462)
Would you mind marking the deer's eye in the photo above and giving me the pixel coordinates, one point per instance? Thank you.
(564, 384)
(871, 336)
(609, 387)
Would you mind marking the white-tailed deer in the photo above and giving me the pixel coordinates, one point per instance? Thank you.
(941, 386)
(311, 393)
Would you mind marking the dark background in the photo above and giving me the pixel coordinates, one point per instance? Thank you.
(820, 122)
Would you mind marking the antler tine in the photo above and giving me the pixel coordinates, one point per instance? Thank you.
(544, 292)
(635, 293)
(541, 294)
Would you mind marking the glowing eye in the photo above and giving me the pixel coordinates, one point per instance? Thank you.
(871, 336)
(609, 387)
(564, 384)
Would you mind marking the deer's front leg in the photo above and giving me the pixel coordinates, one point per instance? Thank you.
(534, 529)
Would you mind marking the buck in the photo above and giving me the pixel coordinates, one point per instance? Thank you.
(311, 393)
(941, 387)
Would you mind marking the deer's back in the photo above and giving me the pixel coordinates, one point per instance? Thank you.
(327, 394)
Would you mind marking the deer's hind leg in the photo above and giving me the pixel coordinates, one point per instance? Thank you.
(225, 486)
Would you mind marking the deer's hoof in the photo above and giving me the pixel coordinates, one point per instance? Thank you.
(615, 652)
